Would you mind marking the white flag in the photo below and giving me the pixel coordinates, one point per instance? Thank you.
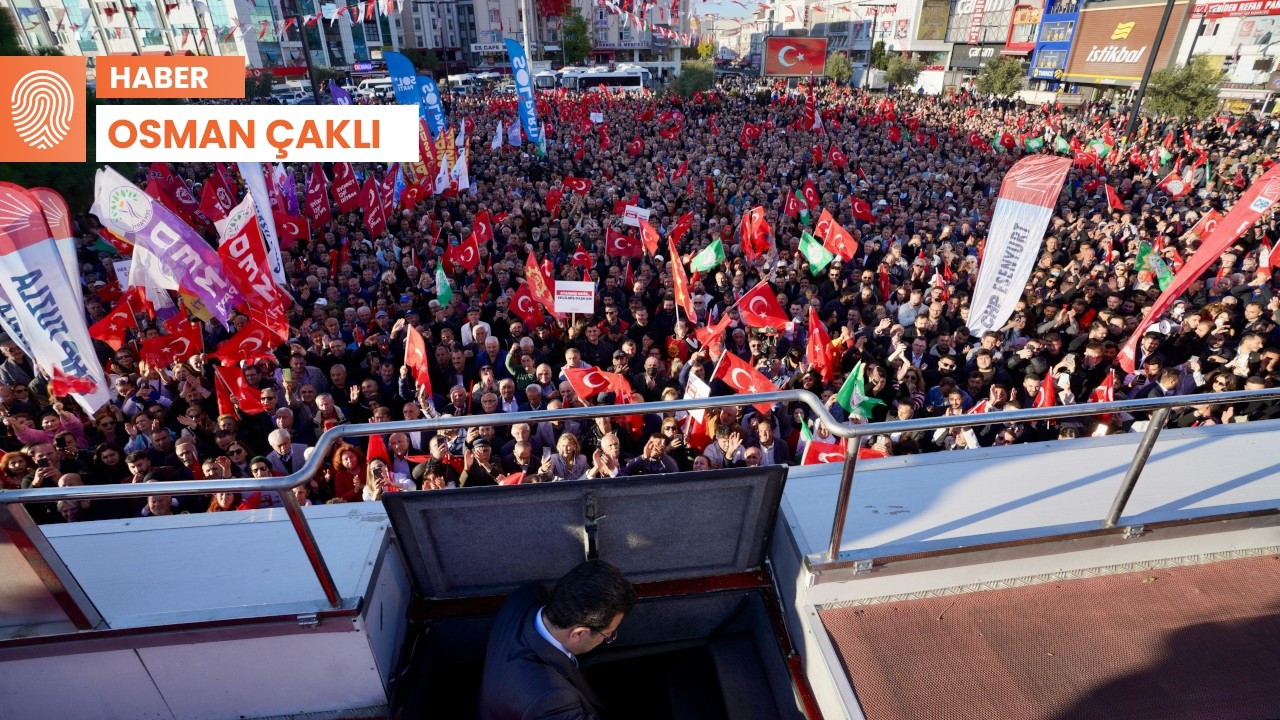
(460, 177)
(256, 182)
(497, 137)
(442, 179)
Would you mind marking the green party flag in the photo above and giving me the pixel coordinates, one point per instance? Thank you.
(711, 256)
(444, 293)
(102, 246)
(1061, 145)
(1100, 147)
(1034, 144)
(1165, 156)
(1140, 262)
(995, 142)
(818, 256)
(853, 395)
(1164, 275)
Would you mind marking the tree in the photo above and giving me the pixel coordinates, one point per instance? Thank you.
(706, 49)
(258, 84)
(422, 59)
(577, 39)
(695, 76)
(1002, 76)
(1189, 90)
(11, 39)
(903, 71)
(878, 59)
(839, 68)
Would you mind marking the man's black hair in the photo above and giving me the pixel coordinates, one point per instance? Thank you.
(589, 595)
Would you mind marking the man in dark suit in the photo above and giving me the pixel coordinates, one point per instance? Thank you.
(531, 667)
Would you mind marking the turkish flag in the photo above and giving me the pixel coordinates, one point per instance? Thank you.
(680, 171)
(837, 158)
(811, 197)
(317, 197)
(553, 201)
(375, 220)
(415, 358)
(388, 188)
(795, 56)
(581, 186)
(216, 199)
(164, 350)
(112, 327)
(291, 228)
(649, 237)
(61, 384)
(760, 308)
(588, 382)
(465, 254)
(894, 134)
(755, 232)
(835, 238)
(583, 259)
(861, 209)
(683, 225)
(346, 188)
(680, 284)
(817, 452)
(1113, 200)
(1207, 224)
(1048, 392)
(818, 348)
(524, 305)
(618, 245)
(254, 341)
(792, 208)
(750, 133)
(711, 190)
(741, 376)
(636, 147)
(707, 335)
(246, 397)
(1104, 392)
(482, 227)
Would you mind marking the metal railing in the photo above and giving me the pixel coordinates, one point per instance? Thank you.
(26, 534)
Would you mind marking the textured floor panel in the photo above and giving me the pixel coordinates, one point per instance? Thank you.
(1193, 642)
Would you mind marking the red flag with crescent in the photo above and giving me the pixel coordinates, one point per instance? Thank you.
(465, 254)
(589, 381)
(526, 307)
(245, 396)
(482, 227)
(620, 245)
(254, 341)
(164, 350)
(539, 286)
(741, 376)
(112, 327)
(680, 284)
(415, 358)
(759, 308)
(819, 349)
(649, 237)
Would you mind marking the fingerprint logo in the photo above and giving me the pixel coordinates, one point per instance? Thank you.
(43, 105)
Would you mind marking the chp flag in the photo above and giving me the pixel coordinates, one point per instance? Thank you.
(1257, 201)
(45, 304)
(1028, 195)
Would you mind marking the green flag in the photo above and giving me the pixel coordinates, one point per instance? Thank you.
(711, 256)
(1100, 147)
(1034, 144)
(1061, 145)
(818, 256)
(1164, 275)
(102, 246)
(1140, 262)
(1165, 156)
(444, 293)
(853, 396)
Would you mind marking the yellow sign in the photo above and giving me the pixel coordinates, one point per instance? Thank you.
(1122, 31)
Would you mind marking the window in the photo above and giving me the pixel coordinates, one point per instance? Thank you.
(417, 24)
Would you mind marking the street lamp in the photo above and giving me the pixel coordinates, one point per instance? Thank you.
(875, 24)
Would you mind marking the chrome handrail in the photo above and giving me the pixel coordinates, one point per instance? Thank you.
(1160, 407)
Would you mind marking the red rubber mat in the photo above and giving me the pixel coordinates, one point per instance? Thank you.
(1198, 642)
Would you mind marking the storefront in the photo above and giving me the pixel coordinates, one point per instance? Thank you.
(1113, 43)
(1053, 44)
(968, 60)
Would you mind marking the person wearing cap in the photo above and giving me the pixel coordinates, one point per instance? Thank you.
(480, 466)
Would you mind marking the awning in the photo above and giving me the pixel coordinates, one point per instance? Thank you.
(164, 53)
(1244, 93)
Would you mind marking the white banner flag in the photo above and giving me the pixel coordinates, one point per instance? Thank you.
(45, 306)
(256, 182)
(1028, 195)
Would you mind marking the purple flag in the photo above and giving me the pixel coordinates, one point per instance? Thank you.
(340, 96)
(134, 215)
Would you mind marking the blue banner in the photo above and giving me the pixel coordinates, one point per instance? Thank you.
(431, 110)
(524, 91)
(340, 96)
(404, 79)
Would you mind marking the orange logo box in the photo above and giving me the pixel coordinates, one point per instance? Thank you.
(121, 76)
(42, 104)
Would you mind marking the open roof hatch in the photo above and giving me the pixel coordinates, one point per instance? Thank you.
(473, 542)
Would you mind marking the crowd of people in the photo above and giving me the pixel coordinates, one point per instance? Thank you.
(927, 167)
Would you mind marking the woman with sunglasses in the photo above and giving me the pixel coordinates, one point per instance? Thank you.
(240, 457)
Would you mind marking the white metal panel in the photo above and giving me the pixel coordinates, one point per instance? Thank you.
(954, 499)
(387, 606)
(107, 685)
(189, 568)
(262, 677)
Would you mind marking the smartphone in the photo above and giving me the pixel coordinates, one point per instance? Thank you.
(288, 374)
(546, 454)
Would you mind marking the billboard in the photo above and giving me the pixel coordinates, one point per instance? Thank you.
(972, 57)
(1112, 43)
(795, 56)
(933, 19)
(1235, 8)
(1057, 31)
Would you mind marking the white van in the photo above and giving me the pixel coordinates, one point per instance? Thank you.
(374, 87)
